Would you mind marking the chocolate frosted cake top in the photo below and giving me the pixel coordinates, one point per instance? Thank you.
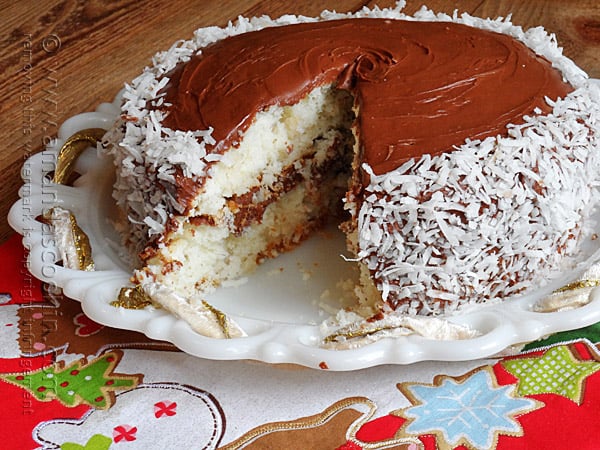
(421, 87)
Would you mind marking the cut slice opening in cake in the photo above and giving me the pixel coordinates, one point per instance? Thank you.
(287, 177)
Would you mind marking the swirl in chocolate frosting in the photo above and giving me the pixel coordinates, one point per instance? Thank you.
(420, 87)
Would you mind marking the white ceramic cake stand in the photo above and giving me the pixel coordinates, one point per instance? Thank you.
(280, 307)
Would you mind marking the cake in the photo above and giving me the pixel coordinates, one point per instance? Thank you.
(459, 155)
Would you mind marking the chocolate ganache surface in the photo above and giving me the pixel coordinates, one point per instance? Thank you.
(420, 87)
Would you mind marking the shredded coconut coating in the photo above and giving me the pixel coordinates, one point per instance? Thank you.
(487, 220)
(476, 223)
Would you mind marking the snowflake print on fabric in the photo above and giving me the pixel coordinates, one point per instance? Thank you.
(470, 411)
(557, 371)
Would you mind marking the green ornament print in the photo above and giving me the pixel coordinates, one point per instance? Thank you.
(91, 383)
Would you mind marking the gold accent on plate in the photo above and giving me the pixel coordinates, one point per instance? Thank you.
(572, 295)
(82, 245)
(132, 298)
(353, 334)
(221, 319)
(81, 242)
(72, 149)
(580, 284)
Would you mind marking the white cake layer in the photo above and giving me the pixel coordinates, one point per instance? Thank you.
(200, 258)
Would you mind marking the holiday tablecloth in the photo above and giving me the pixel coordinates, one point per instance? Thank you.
(69, 383)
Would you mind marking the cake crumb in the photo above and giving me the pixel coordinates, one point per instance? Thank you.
(306, 273)
(275, 271)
